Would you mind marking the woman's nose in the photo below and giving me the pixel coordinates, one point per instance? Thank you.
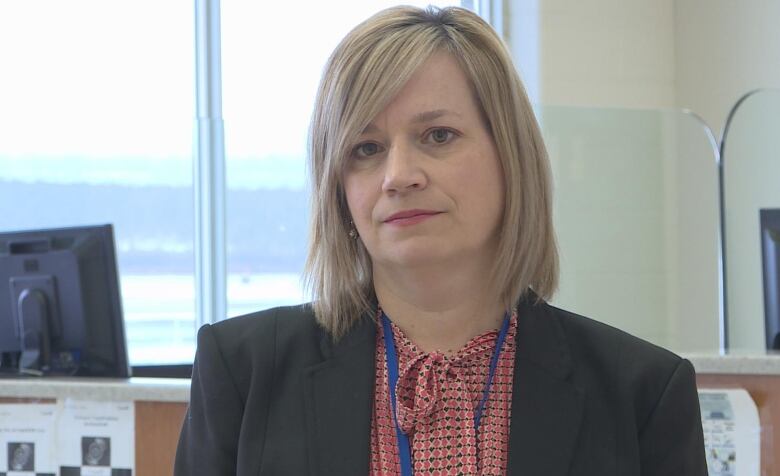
(403, 170)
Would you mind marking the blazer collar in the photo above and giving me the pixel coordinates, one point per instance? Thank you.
(546, 407)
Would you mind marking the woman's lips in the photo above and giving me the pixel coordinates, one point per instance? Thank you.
(410, 217)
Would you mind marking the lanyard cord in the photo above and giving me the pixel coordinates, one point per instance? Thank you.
(404, 448)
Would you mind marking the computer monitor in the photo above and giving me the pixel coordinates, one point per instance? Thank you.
(770, 253)
(60, 307)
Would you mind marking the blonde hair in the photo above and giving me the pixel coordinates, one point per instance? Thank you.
(363, 74)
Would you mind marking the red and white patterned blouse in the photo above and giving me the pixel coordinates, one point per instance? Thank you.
(437, 399)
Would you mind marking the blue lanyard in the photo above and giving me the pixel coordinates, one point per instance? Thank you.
(404, 449)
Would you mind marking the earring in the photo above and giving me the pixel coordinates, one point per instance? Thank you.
(352, 230)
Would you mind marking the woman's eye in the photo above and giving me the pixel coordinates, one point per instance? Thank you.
(366, 149)
(441, 136)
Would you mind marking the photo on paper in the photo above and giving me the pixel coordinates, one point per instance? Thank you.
(21, 456)
(732, 432)
(96, 438)
(27, 439)
(96, 451)
(718, 425)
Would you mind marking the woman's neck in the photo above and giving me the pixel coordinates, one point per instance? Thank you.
(439, 312)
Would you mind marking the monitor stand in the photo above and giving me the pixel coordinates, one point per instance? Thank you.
(35, 332)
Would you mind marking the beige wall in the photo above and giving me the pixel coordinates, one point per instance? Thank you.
(700, 55)
(603, 53)
(724, 49)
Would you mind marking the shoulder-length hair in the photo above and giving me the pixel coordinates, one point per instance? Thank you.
(363, 74)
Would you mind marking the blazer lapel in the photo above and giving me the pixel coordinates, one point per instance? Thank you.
(546, 408)
(338, 402)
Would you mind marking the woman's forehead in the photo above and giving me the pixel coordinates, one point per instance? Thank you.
(439, 88)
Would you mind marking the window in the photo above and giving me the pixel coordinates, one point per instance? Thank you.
(97, 127)
(271, 64)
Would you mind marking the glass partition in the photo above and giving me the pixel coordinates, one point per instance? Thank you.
(636, 213)
(751, 182)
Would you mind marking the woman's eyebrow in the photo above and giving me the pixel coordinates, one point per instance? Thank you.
(428, 116)
(419, 118)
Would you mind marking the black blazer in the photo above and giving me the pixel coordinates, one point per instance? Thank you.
(272, 395)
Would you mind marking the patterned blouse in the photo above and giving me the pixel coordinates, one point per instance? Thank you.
(437, 398)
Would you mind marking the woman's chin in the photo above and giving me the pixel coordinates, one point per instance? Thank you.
(418, 256)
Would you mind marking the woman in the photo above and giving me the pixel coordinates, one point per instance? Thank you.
(429, 348)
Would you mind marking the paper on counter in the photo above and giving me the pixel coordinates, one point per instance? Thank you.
(27, 439)
(96, 438)
(732, 432)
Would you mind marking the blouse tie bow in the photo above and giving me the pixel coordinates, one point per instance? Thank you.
(424, 378)
(420, 384)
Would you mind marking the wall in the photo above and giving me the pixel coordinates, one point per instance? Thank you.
(603, 53)
(701, 55)
(723, 49)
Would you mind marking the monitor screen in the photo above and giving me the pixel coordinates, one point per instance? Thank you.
(770, 254)
(60, 306)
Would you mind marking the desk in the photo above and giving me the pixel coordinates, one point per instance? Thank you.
(160, 404)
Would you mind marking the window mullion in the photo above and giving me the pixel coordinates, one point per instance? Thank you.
(493, 12)
(209, 168)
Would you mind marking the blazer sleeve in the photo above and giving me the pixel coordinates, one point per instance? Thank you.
(208, 443)
(671, 441)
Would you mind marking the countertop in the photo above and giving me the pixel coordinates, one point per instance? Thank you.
(178, 390)
(136, 388)
(735, 363)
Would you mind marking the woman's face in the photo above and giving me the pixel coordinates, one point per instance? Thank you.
(423, 182)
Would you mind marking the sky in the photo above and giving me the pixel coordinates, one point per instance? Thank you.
(114, 81)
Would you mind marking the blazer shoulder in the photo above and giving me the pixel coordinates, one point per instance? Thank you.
(589, 337)
(249, 327)
(635, 369)
(251, 345)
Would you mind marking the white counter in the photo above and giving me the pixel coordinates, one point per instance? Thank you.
(178, 390)
(739, 364)
(137, 389)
